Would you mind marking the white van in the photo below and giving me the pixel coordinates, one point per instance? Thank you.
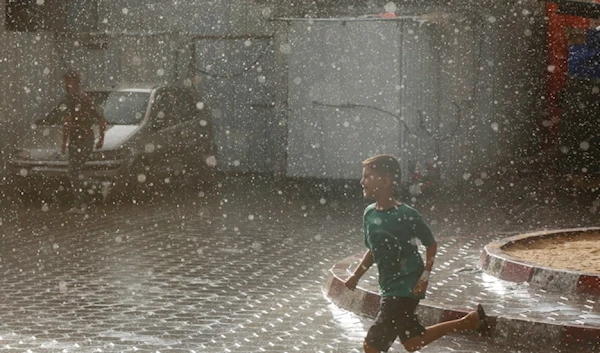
(154, 134)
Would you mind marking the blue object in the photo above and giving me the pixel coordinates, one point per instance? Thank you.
(584, 59)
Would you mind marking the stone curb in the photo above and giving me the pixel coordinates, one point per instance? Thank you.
(511, 331)
(498, 264)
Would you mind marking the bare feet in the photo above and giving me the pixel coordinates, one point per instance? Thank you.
(471, 320)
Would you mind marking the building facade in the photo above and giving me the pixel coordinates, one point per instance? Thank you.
(305, 89)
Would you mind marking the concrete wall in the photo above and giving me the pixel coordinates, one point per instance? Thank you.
(28, 71)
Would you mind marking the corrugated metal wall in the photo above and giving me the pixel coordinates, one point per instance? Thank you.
(422, 97)
(337, 63)
(236, 78)
(467, 84)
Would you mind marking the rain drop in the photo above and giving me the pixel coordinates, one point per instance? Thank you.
(285, 48)
(266, 12)
(390, 7)
(211, 161)
(62, 286)
(200, 105)
(584, 145)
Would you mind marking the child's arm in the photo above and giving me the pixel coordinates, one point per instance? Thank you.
(421, 285)
(365, 264)
(430, 256)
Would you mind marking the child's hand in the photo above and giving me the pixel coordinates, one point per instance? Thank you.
(351, 282)
(421, 287)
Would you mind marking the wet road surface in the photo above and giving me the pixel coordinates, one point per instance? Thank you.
(240, 269)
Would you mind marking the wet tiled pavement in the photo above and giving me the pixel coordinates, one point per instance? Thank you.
(237, 270)
(457, 282)
(458, 285)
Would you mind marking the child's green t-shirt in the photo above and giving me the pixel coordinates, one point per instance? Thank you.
(391, 236)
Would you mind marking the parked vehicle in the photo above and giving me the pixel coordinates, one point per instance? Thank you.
(154, 135)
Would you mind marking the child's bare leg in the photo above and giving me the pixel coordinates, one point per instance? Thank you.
(432, 333)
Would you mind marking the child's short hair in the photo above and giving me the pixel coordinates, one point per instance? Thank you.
(384, 164)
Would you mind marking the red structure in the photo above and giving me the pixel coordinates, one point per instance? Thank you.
(558, 52)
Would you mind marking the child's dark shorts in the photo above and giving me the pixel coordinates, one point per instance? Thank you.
(396, 318)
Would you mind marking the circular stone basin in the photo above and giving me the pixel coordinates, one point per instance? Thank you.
(560, 260)
(575, 251)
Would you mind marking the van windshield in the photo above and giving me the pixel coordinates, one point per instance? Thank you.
(125, 108)
(118, 108)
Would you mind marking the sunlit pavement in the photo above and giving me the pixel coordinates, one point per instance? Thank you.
(239, 269)
(523, 315)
